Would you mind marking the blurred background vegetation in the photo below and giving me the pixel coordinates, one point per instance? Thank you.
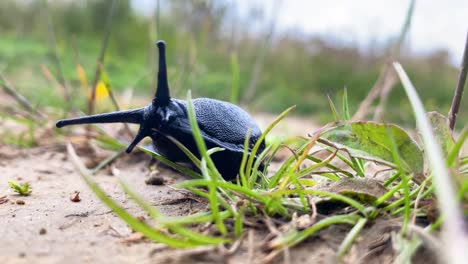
(210, 51)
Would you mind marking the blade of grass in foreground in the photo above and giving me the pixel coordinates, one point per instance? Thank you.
(133, 222)
(176, 228)
(260, 140)
(295, 237)
(456, 243)
(351, 237)
(208, 168)
(171, 164)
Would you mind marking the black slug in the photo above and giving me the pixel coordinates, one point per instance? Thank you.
(222, 124)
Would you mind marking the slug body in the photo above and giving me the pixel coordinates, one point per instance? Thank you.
(222, 124)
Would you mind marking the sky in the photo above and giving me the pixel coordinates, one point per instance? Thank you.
(436, 24)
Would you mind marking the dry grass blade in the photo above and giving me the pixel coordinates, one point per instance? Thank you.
(460, 87)
(113, 99)
(53, 47)
(10, 89)
(101, 56)
(385, 82)
(259, 62)
(387, 78)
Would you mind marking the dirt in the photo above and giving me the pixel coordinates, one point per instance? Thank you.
(61, 220)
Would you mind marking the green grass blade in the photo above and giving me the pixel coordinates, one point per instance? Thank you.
(187, 152)
(243, 178)
(296, 237)
(351, 237)
(330, 166)
(454, 153)
(404, 179)
(335, 196)
(262, 137)
(454, 226)
(215, 176)
(246, 192)
(197, 218)
(175, 228)
(239, 221)
(133, 222)
(274, 180)
(258, 161)
(336, 117)
(346, 114)
(171, 164)
(213, 199)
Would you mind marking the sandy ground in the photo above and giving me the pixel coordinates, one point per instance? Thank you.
(47, 227)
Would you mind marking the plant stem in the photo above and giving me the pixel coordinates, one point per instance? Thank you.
(9, 89)
(100, 59)
(58, 65)
(460, 86)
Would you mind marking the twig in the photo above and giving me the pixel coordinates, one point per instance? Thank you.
(50, 77)
(100, 59)
(390, 79)
(416, 203)
(10, 89)
(115, 103)
(460, 86)
(83, 80)
(53, 47)
(365, 105)
(387, 77)
(259, 62)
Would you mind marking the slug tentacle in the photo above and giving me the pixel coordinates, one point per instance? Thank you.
(162, 96)
(142, 133)
(134, 116)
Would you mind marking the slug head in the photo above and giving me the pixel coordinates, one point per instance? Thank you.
(149, 117)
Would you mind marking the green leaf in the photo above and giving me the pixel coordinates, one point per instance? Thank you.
(21, 189)
(363, 190)
(440, 126)
(370, 141)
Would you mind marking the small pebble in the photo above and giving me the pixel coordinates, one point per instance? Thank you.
(20, 202)
(42, 231)
(155, 180)
(75, 197)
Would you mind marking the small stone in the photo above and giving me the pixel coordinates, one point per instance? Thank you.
(154, 180)
(75, 197)
(42, 231)
(20, 202)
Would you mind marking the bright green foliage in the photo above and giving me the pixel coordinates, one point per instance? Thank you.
(294, 186)
(370, 141)
(21, 189)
